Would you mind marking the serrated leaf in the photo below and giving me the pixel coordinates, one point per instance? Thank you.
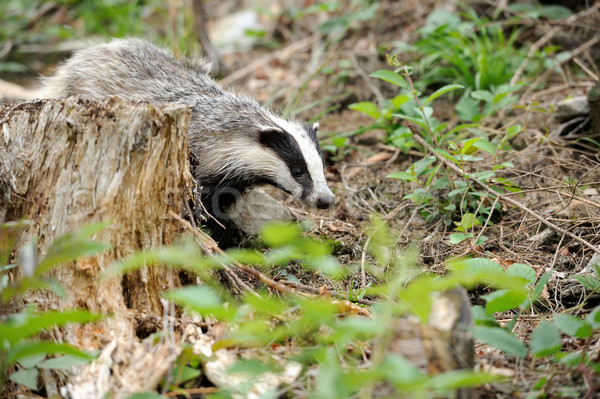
(441, 91)
(502, 300)
(501, 339)
(572, 325)
(27, 377)
(545, 340)
(522, 270)
(456, 238)
(589, 282)
(390, 77)
(366, 107)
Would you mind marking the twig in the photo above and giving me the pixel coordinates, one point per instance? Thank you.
(570, 56)
(192, 391)
(547, 37)
(502, 197)
(204, 238)
(368, 81)
(200, 18)
(585, 68)
(532, 50)
(317, 291)
(363, 259)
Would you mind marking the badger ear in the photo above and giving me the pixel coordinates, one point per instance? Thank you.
(270, 130)
(315, 127)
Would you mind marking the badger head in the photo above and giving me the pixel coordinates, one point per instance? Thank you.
(291, 157)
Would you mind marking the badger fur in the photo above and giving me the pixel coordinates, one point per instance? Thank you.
(237, 144)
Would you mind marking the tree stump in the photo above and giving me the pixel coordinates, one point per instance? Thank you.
(69, 163)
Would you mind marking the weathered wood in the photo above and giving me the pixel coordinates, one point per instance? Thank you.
(69, 163)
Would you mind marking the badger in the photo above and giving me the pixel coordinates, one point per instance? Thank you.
(237, 144)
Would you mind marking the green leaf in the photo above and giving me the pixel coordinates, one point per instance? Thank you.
(26, 349)
(279, 234)
(27, 325)
(522, 270)
(390, 77)
(545, 340)
(402, 176)
(422, 164)
(72, 246)
(539, 287)
(366, 107)
(468, 144)
(31, 361)
(572, 325)
(202, 300)
(570, 359)
(401, 372)
(27, 377)
(456, 238)
(456, 379)
(589, 282)
(63, 362)
(483, 95)
(593, 318)
(183, 374)
(184, 257)
(501, 339)
(513, 130)
(416, 120)
(441, 91)
(486, 146)
(502, 300)
(340, 142)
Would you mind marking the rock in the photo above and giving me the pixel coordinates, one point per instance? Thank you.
(572, 107)
(255, 209)
(230, 33)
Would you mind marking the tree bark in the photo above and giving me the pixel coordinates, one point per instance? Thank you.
(69, 163)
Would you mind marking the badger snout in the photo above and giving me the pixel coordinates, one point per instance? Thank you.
(325, 201)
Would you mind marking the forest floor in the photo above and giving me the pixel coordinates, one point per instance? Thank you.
(557, 172)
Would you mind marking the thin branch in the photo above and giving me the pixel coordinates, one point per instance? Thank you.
(502, 197)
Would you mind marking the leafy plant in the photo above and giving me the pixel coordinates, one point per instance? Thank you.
(313, 326)
(19, 330)
(545, 341)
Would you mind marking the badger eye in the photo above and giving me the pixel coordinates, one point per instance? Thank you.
(296, 172)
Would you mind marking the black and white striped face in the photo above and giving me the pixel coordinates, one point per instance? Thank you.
(300, 170)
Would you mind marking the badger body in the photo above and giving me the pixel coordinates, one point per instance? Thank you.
(235, 143)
